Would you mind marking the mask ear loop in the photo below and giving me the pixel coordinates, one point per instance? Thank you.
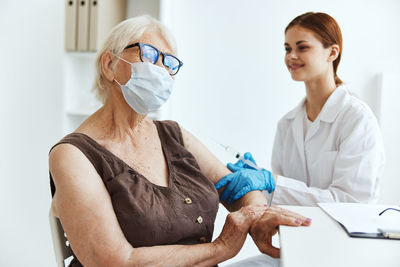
(126, 62)
(117, 82)
(123, 59)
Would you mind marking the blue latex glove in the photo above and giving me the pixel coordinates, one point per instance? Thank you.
(243, 180)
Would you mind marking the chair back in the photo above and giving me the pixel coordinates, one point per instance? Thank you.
(62, 250)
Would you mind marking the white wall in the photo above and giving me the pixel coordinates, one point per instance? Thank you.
(234, 86)
(221, 92)
(30, 111)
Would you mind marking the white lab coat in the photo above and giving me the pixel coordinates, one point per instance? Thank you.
(341, 159)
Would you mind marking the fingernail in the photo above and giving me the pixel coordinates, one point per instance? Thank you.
(298, 221)
(308, 220)
(266, 205)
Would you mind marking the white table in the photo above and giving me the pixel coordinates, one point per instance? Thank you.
(325, 243)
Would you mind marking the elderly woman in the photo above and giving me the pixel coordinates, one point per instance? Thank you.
(130, 191)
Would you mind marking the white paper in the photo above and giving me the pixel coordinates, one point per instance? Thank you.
(363, 217)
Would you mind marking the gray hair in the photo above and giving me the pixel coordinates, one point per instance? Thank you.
(127, 32)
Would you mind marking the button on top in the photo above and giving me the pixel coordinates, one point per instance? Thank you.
(199, 219)
(188, 200)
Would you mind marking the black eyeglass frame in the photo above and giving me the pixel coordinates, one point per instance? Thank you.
(388, 209)
(140, 45)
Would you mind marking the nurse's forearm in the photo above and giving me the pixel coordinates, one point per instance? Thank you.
(290, 191)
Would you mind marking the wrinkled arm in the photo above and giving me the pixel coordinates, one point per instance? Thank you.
(214, 170)
(84, 207)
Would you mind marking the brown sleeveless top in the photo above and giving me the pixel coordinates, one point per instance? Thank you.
(182, 213)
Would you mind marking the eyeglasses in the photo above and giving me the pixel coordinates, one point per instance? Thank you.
(387, 210)
(149, 53)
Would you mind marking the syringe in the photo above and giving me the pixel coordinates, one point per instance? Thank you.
(239, 156)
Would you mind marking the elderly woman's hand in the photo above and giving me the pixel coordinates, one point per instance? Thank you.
(264, 228)
(236, 227)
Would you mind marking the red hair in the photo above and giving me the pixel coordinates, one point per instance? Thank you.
(327, 31)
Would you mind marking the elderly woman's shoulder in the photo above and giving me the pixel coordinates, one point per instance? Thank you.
(68, 148)
(63, 152)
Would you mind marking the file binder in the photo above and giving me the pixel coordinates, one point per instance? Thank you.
(104, 15)
(88, 22)
(70, 24)
(93, 25)
(83, 25)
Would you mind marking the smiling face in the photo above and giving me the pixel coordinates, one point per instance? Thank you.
(306, 58)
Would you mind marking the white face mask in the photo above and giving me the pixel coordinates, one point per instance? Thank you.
(148, 88)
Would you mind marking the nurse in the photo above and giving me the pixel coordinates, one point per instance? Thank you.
(327, 149)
